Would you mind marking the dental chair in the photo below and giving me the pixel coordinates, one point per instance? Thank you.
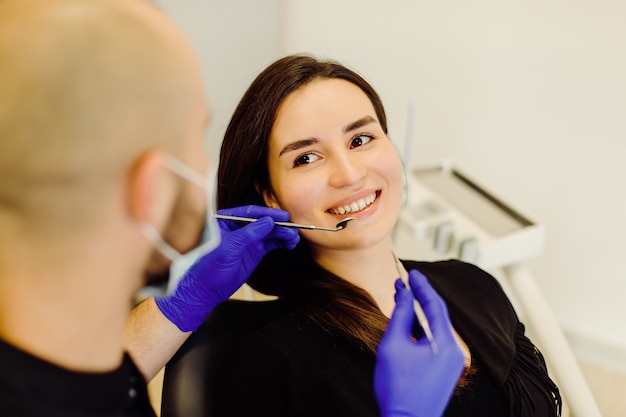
(191, 374)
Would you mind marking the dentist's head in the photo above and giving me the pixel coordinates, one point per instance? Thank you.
(97, 96)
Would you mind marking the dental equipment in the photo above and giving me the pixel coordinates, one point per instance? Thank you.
(450, 215)
(339, 226)
(419, 312)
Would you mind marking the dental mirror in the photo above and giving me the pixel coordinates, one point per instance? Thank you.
(339, 226)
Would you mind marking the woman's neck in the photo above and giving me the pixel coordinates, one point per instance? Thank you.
(372, 268)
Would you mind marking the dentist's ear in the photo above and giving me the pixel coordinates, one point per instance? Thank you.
(151, 189)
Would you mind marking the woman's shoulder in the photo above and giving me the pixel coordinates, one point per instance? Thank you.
(247, 340)
(252, 319)
(479, 309)
(473, 296)
(287, 361)
(464, 285)
(288, 339)
(262, 327)
(455, 273)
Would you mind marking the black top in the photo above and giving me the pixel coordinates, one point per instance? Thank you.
(31, 387)
(290, 367)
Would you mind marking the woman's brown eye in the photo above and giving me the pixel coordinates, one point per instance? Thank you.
(305, 159)
(360, 141)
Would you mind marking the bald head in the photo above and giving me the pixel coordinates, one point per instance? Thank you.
(86, 86)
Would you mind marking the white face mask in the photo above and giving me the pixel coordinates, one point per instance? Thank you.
(210, 236)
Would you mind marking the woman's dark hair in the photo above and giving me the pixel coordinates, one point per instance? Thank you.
(331, 302)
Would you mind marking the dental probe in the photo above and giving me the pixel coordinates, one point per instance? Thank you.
(419, 312)
(340, 226)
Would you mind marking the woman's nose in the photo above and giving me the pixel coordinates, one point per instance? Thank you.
(346, 170)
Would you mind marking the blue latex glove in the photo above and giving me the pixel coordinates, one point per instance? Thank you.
(218, 274)
(410, 380)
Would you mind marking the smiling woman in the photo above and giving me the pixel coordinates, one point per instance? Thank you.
(347, 165)
(310, 137)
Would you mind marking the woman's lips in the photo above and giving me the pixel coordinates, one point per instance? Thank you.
(355, 206)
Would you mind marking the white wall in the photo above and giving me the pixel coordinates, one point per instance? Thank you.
(235, 39)
(527, 97)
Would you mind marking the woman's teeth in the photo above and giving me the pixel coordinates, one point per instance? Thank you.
(358, 205)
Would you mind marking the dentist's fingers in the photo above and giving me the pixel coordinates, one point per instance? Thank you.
(433, 305)
(403, 316)
(410, 379)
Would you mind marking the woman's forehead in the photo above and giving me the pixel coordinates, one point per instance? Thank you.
(322, 104)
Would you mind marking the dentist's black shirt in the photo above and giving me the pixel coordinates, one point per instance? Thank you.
(31, 387)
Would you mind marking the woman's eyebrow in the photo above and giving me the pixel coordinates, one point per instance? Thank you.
(294, 146)
(359, 123)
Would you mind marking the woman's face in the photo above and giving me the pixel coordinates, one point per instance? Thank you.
(330, 159)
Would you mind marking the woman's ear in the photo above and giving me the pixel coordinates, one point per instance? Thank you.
(151, 189)
(268, 196)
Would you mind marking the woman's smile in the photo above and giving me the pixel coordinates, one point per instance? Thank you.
(356, 205)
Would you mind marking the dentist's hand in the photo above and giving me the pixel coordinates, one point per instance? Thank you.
(409, 379)
(218, 274)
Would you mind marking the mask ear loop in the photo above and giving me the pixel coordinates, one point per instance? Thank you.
(211, 235)
(208, 185)
(185, 172)
(148, 230)
(154, 237)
